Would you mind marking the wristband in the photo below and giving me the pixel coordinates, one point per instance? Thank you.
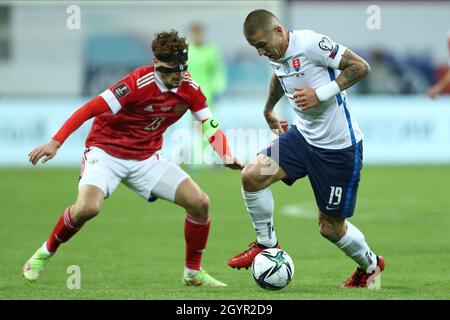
(327, 91)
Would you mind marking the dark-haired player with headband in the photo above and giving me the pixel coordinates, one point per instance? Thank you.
(125, 143)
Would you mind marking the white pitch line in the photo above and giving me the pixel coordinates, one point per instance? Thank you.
(306, 211)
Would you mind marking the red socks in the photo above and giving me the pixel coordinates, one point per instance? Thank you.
(63, 231)
(196, 231)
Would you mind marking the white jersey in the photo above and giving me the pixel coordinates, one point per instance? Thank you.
(312, 60)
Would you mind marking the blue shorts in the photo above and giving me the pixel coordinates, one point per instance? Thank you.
(334, 174)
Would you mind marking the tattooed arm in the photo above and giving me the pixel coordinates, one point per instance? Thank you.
(276, 92)
(353, 67)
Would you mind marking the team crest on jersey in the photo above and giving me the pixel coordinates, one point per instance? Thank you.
(296, 64)
(286, 67)
(121, 90)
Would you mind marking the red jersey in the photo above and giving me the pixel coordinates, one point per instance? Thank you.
(142, 108)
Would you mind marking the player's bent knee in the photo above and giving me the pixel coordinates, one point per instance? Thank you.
(85, 211)
(203, 204)
(199, 205)
(251, 178)
(330, 233)
(325, 230)
(331, 228)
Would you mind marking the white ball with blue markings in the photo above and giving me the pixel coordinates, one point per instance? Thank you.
(272, 269)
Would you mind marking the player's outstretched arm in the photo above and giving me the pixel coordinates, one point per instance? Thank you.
(94, 107)
(47, 150)
(232, 163)
(353, 67)
(219, 143)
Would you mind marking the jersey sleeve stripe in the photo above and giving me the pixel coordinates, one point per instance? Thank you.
(111, 100)
(143, 84)
(145, 78)
(187, 79)
(202, 114)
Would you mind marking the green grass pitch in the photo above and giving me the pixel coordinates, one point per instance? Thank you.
(135, 249)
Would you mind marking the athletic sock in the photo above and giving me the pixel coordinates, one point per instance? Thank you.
(354, 245)
(190, 272)
(64, 229)
(196, 231)
(45, 249)
(260, 206)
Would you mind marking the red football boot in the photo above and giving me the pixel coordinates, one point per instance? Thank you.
(362, 279)
(245, 259)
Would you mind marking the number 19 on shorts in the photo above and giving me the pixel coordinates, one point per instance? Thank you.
(335, 196)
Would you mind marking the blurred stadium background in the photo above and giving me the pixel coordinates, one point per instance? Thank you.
(47, 70)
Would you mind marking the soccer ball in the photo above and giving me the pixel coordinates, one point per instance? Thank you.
(272, 269)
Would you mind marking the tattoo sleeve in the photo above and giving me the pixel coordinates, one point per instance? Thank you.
(353, 67)
(276, 92)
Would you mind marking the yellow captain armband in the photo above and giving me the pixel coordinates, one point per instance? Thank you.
(210, 127)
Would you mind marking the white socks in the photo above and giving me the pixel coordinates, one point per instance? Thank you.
(354, 245)
(260, 207)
